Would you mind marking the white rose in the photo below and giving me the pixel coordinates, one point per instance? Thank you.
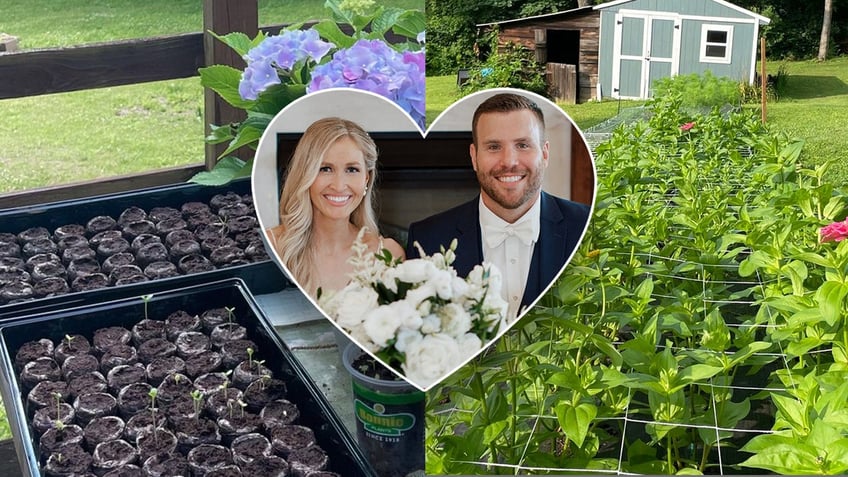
(380, 324)
(363, 340)
(455, 321)
(420, 294)
(459, 286)
(430, 324)
(356, 302)
(470, 344)
(406, 338)
(431, 359)
(407, 314)
(416, 270)
(442, 281)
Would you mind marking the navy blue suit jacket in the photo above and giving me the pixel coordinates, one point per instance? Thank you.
(562, 225)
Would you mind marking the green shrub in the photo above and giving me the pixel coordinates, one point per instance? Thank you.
(511, 67)
(700, 91)
(775, 86)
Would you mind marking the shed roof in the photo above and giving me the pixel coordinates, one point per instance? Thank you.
(555, 15)
(761, 19)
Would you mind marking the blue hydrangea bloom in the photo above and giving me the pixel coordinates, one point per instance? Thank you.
(372, 65)
(279, 52)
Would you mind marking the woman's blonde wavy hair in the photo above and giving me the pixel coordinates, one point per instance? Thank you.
(295, 244)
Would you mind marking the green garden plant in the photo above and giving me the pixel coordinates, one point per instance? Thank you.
(696, 329)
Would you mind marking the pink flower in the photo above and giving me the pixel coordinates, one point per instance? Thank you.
(835, 232)
(687, 126)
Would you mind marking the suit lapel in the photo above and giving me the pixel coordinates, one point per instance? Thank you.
(548, 252)
(469, 250)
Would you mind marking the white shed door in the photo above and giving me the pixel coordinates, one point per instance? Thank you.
(646, 47)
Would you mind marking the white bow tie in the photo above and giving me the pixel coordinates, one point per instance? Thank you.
(495, 235)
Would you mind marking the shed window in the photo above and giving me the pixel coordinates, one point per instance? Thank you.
(716, 43)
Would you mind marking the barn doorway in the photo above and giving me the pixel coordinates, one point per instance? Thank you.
(563, 46)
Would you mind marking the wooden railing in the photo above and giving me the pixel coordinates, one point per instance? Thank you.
(59, 70)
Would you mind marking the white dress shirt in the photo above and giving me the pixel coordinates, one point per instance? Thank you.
(512, 256)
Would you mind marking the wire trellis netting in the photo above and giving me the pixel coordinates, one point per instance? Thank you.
(684, 336)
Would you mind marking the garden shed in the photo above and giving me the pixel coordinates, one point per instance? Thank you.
(644, 40)
(617, 49)
(566, 40)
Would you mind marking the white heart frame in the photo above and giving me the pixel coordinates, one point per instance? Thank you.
(376, 113)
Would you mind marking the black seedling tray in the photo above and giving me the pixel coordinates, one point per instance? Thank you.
(261, 277)
(316, 412)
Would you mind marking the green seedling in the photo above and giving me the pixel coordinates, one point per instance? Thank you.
(263, 381)
(242, 405)
(58, 398)
(197, 397)
(69, 340)
(59, 425)
(177, 379)
(226, 384)
(230, 313)
(152, 393)
(146, 299)
(249, 357)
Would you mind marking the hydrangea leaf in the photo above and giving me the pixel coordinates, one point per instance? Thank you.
(410, 24)
(224, 80)
(275, 98)
(225, 170)
(239, 42)
(330, 31)
(219, 134)
(246, 135)
(385, 19)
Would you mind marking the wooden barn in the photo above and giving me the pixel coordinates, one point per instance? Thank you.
(567, 42)
(617, 49)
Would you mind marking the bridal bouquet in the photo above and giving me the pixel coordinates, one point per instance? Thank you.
(418, 315)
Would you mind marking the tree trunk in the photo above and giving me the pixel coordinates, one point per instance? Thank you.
(825, 32)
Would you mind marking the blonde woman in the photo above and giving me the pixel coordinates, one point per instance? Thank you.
(326, 200)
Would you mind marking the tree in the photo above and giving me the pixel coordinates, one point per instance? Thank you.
(825, 31)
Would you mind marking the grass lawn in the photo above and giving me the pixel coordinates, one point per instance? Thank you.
(69, 137)
(442, 91)
(814, 107)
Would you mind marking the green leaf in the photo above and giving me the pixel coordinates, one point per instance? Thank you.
(339, 15)
(792, 459)
(792, 151)
(698, 372)
(410, 24)
(385, 19)
(224, 80)
(240, 42)
(793, 413)
(607, 349)
(756, 260)
(765, 441)
(575, 421)
(830, 297)
(797, 272)
(330, 31)
(225, 170)
(494, 430)
(813, 258)
(833, 207)
(246, 135)
(219, 134)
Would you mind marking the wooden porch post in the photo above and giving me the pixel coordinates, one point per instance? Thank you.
(222, 17)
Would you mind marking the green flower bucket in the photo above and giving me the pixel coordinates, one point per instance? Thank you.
(389, 420)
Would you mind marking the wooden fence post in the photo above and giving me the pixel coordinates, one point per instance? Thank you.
(222, 17)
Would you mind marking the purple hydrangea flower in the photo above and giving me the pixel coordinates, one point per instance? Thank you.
(279, 52)
(372, 65)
